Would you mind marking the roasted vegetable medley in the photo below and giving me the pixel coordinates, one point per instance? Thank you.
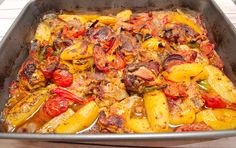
(121, 73)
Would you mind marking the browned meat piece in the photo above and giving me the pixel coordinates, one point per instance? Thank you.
(179, 34)
(114, 118)
(193, 127)
(137, 76)
(30, 76)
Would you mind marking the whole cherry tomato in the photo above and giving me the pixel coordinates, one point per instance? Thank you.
(55, 105)
(62, 78)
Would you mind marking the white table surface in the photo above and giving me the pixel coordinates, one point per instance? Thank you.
(10, 9)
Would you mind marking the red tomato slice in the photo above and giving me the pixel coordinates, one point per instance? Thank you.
(62, 78)
(55, 105)
(213, 101)
(175, 90)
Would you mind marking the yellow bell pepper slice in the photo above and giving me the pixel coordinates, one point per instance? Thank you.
(180, 17)
(25, 109)
(75, 51)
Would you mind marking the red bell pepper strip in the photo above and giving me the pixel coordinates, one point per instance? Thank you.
(70, 96)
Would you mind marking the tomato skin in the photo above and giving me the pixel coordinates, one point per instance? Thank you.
(62, 78)
(175, 90)
(213, 101)
(55, 105)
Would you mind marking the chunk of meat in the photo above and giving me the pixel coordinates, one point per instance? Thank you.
(115, 117)
(31, 77)
(193, 127)
(179, 33)
(137, 76)
(175, 90)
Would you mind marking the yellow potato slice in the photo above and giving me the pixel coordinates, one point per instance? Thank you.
(184, 72)
(218, 119)
(221, 84)
(51, 125)
(156, 106)
(139, 125)
(25, 109)
(185, 116)
(82, 119)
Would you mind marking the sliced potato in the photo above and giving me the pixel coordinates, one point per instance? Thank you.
(51, 125)
(221, 84)
(139, 125)
(218, 119)
(184, 72)
(124, 15)
(25, 108)
(156, 106)
(185, 116)
(82, 119)
(75, 51)
(43, 32)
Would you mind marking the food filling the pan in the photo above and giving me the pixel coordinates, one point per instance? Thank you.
(123, 73)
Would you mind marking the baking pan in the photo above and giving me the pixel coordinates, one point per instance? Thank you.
(14, 49)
